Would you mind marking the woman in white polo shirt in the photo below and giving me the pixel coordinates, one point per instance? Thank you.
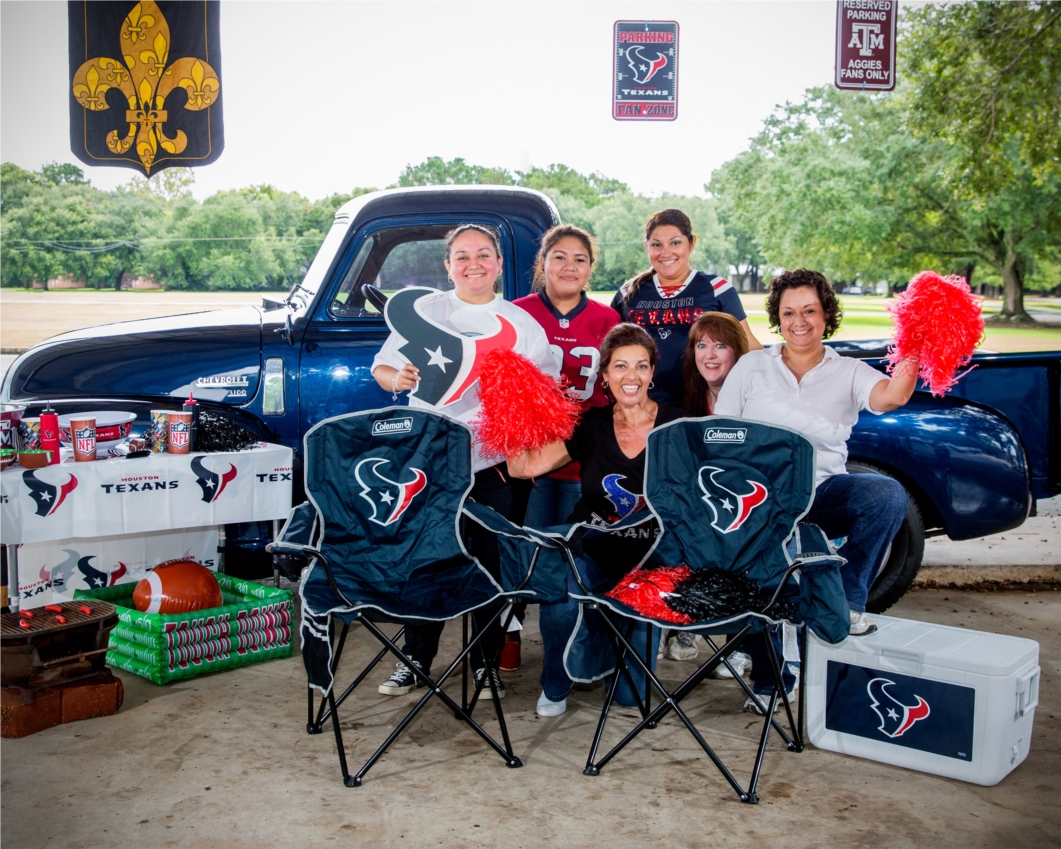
(806, 386)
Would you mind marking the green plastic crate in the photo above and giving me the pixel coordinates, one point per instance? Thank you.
(250, 609)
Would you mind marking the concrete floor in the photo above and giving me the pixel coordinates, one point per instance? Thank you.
(225, 761)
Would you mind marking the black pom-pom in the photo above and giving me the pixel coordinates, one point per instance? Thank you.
(216, 433)
(709, 594)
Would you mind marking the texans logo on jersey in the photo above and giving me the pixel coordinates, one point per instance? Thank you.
(449, 363)
(46, 496)
(389, 499)
(895, 717)
(729, 509)
(624, 501)
(211, 483)
(644, 69)
(94, 578)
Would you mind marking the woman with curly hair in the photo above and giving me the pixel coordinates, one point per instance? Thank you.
(804, 385)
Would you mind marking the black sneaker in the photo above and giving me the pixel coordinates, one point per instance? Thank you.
(402, 681)
(487, 693)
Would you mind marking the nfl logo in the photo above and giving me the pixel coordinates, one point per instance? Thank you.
(85, 440)
(179, 433)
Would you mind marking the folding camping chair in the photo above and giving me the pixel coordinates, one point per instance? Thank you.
(383, 533)
(728, 493)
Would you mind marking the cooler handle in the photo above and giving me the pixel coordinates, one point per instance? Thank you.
(905, 660)
(1028, 691)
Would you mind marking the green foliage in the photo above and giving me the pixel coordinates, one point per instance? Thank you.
(557, 179)
(986, 78)
(435, 171)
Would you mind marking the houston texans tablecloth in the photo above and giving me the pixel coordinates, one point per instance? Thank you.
(160, 492)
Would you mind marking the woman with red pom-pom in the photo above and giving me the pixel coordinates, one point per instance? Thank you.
(472, 308)
(609, 443)
(575, 325)
(804, 385)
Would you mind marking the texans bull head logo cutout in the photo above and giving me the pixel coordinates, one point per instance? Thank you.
(624, 501)
(389, 499)
(449, 363)
(729, 509)
(46, 496)
(644, 69)
(895, 717)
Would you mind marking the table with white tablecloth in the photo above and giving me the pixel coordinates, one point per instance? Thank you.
(139, 509)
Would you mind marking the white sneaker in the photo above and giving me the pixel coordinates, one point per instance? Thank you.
(741, 663)
(664, 639)
(751, 706)
(547, 707)
(861, 625)
(684, 645)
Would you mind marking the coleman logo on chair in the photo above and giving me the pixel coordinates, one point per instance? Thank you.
(389, 426)
(389, 499)
(732, 435)
(449, 364)
(46, 496)
(895, 717)
(729, 508)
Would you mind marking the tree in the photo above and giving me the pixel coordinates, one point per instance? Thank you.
(15, 185)
(561, 179)
(986, 77)
(435, 171)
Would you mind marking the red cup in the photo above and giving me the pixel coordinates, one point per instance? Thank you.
(83, 433)
(180, 432)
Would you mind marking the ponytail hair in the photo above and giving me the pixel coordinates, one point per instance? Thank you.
(665, 217)
(551, 237)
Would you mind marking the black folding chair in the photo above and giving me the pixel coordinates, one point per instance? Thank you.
(384, 533)
(728, 494)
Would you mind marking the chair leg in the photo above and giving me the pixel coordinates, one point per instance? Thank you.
(347, 780)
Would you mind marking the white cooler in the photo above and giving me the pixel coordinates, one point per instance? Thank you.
(943, 700)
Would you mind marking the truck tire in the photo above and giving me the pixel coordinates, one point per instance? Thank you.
(902, 558)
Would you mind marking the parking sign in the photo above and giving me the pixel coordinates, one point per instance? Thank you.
(645, 71)
(865, 44)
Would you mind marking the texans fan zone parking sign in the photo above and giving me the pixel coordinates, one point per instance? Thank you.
(645, 71)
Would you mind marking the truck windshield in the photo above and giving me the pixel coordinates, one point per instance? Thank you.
(302, 293)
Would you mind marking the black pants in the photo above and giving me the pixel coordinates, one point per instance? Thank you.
(508, 497)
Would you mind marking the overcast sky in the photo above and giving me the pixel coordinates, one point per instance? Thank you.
(320, 97)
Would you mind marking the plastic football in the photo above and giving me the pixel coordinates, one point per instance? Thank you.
(178, 586)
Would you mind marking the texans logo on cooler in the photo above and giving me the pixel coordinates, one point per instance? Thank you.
(896, 718)
(389, 499)
(85, 440)
(449, 363)
(729, 509)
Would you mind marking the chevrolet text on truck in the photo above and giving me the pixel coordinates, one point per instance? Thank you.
(974, 463)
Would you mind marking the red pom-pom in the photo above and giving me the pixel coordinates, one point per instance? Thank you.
(522, 408)
(938, 320)
(645, 590)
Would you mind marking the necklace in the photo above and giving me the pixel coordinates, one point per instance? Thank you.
(795, 370)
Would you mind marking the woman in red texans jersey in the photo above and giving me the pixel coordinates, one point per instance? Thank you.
(668, 298)
(575, 325)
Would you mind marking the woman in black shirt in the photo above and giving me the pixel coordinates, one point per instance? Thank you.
(609, 443)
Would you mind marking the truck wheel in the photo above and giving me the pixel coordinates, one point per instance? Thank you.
(903, 557)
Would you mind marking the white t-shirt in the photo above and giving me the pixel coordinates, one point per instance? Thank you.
(457, 316)
(823, 407)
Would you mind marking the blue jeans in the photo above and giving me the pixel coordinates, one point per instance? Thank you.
(868, 510)
(557, 623)
(552, 501)
(761, 676)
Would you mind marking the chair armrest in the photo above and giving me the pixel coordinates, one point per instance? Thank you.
(297, 531)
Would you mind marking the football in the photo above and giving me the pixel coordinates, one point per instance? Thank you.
(177, 586)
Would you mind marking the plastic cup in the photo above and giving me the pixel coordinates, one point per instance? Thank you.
(159, 430)
(29, 434)
(83, 437)
(180, 432)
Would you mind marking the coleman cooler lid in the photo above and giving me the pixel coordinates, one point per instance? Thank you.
(953, 648)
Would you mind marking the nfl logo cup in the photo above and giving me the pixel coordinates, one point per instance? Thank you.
(180, 432)
(84, 433)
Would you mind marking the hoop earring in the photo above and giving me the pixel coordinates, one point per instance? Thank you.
(651, 385)
(604, 384)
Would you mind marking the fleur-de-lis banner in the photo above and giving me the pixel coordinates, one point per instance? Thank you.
(145, 88)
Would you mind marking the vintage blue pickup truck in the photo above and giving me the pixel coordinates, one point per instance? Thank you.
(974, 463)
